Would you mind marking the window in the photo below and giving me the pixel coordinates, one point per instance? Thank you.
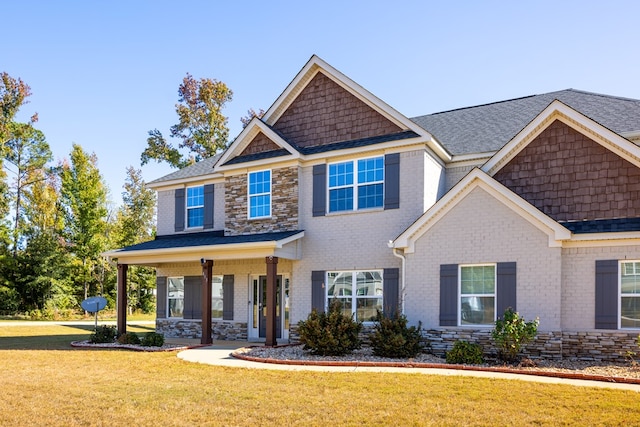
(195, 207)
(175, 296)
(630, 295)
(477, 295)
(260, 194)
(360, 182)
(359, 292)
(216, 297)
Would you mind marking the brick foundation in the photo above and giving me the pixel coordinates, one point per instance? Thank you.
(221, 330)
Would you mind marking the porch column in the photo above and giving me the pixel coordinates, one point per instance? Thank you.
(272, 289)
(121, 302)
(207, 276)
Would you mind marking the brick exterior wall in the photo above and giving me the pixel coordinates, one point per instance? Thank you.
(481, 229)
(324, 112)
(260, 144)
(165, 221)
(284, 204)
(572, 178)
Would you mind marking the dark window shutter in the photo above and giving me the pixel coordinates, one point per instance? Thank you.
(227, 297)
(449, 295)
(208, 206)
(317, 291)
(390, 280)
(607, 294)
(161, 297)
(192, 297)
(179, 209)
(392, 181)
(506, 287)
(319, 190)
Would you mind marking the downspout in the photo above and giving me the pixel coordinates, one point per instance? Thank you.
(404, 261)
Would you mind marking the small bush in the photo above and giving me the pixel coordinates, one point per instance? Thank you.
(330, 334)
(129, 338)
(153, 339)
(392, 338)
(103, 334)
(511, 333)
(464, 352)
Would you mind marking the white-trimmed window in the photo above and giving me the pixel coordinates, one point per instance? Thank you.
(217, 297)
(359, 292)
(195, 207)
(630, 294)
(260, 194)
(357, 184)
(175, 297)
(477, 290)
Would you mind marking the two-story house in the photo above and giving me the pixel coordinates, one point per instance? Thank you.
(451, 218)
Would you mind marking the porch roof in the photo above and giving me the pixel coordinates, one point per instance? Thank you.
(211, 245)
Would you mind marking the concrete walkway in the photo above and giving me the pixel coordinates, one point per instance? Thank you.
(219, 354)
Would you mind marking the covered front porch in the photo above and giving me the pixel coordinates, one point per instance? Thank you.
(212, 252)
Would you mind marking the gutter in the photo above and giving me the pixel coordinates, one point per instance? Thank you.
(402, 281)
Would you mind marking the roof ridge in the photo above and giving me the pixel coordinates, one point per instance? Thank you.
(526, 97)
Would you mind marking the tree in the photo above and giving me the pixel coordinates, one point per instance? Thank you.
(201, 125)
(135, 223)
(27, 151)
(13, 94)
(83, 198)
(251, 113)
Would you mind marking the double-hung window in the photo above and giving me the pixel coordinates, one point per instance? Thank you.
(630, 294)
(195, 207)
(357, 184)
(359, 292)
(477, 294)
(175, 297)
(260, 194)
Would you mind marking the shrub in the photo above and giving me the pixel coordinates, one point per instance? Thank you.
(330, 334)
(392, 338)
(129, 338)
(153, 339)
(103, 334)
(464, 352)
(511, 333)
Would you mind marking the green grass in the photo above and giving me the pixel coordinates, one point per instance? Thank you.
(44, 381)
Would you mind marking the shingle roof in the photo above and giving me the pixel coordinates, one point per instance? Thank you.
(603, 225)
(203, 167)
(206, 238)
(486, 128)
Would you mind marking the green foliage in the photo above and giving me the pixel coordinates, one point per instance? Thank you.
(201, 125)
(83, 198)
(464, 352)
(153, 339)
(392, 338)
(103, 334)
(511, 333)
(330, 334)
(129, 338)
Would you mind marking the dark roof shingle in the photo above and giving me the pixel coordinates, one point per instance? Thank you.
(488, 127)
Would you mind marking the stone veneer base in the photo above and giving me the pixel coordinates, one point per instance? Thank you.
(221, 330)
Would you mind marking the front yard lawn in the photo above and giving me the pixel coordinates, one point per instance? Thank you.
(46, 382)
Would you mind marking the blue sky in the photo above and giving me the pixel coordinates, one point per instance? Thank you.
(104, 73)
